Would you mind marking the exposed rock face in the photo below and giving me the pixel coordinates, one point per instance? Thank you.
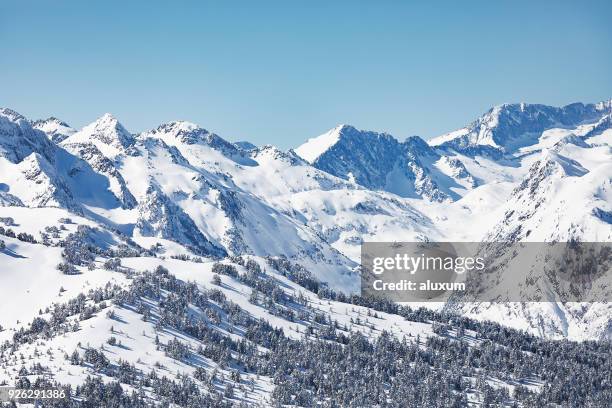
(378, 161)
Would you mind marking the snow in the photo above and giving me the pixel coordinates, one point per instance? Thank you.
(54, 128)
(106, 133)
(186, 182)
(438, 140)
(30, 281)
(602, 138)
(269, 202)
(135, 336)
(316, 146)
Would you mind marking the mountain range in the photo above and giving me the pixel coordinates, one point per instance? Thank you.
(102, 203)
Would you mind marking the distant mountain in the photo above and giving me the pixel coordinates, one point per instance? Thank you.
(186, 133)
(244, 145)
(543, 208)
(56, 129)
(106, 133)
(509, 127)
(378, 161)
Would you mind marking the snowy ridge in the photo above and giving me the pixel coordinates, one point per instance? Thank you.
(186, 133)
(18, 139)
(511, 126)
(106, 133)
(378, 161)
(56, 129)
(540, 209)
(315, 147)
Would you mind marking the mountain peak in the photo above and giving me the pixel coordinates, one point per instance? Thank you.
(563, 165)
(108, 120)
(106, 130)
(246, 145)
(49, 120)
(18, 138)
(11, 114)
(178, 126)
(182, 131)
(343, 127)
(56, 129)
(317, 146)
(108, 116)
(511, 126)
(271, 152)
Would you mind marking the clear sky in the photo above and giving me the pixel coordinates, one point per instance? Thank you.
(281, 71)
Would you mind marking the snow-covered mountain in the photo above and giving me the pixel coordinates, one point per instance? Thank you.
(18, 139)
(141, 226)
(544, 207)
(529, 166)
(378, 161)
(509, 127)
(56, 129)
(182, 183)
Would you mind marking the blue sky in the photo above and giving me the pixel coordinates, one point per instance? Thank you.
(280, 72)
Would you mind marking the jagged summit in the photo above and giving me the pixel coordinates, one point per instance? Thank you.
(56, 129)
(193, 137)
(187, 133)
(182, 132)
(110, 130)
(49, 120)
(379, 161)
(177, 126)
(508, 127)
(18, 139)
(317, 146)
(270, 152)
(107, 133)
(246, 145)
(552, 161)
(11, 114)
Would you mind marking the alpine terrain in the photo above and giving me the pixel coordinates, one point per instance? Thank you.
(173, 267)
